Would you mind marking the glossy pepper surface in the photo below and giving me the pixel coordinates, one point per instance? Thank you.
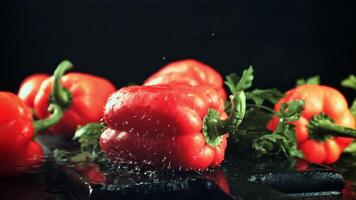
(29, 88)
(189, 72)
(81, 96)
(162, 126)
(18, 151)
(318, 100)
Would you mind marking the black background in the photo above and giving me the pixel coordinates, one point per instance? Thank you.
(127, 41)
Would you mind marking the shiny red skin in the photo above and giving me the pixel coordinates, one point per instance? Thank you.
(29, 88)
(89, 95)
(189, 72)
(18, 152)
(318, 99)
(162, 126)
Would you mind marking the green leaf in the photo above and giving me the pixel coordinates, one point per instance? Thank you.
(349, 82)
(255, 120)
(351, 149)
(259, 96)
(282, 139)
(311, 80)
(231, 81)
(291, 111)
(353, 108)
(235, 83)
(61, 156)
(83, 158)
(88, 138)
(88, 135)
(236, 108)
(278, 142)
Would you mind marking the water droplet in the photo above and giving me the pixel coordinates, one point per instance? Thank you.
(164, 159)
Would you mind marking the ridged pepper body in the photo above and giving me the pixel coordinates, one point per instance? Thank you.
(188, 72)
(29, 88)
(162, 126)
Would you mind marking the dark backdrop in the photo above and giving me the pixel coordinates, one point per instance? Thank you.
(126, 42)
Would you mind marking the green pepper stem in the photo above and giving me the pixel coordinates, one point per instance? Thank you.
(236, 115)
(54, 118)
(214, 127)
(60, 95)
(337, 131)
(323, 126)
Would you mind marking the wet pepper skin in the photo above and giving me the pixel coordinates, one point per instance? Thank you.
(189, 72)
(29, 88)
(162, 126)
(88, 97)
(18, 151)
(318, 99)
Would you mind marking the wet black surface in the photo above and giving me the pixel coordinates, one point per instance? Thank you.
(236, 179)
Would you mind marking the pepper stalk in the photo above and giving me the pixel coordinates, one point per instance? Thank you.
(60, 99)
(51, 120)
(321, 127)
(214, 127)
(60, 95)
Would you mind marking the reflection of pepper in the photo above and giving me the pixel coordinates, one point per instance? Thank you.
(81, 96)
(166, 126)
(29, 88)
(218, 176)
(315, 129)
(18, 152)
(190, 72)
(92, 173)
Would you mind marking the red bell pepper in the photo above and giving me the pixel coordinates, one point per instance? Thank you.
(168, 126)
(190, 72)
(325, 117)
(29, 88)
(18, 151)
(81, 97)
